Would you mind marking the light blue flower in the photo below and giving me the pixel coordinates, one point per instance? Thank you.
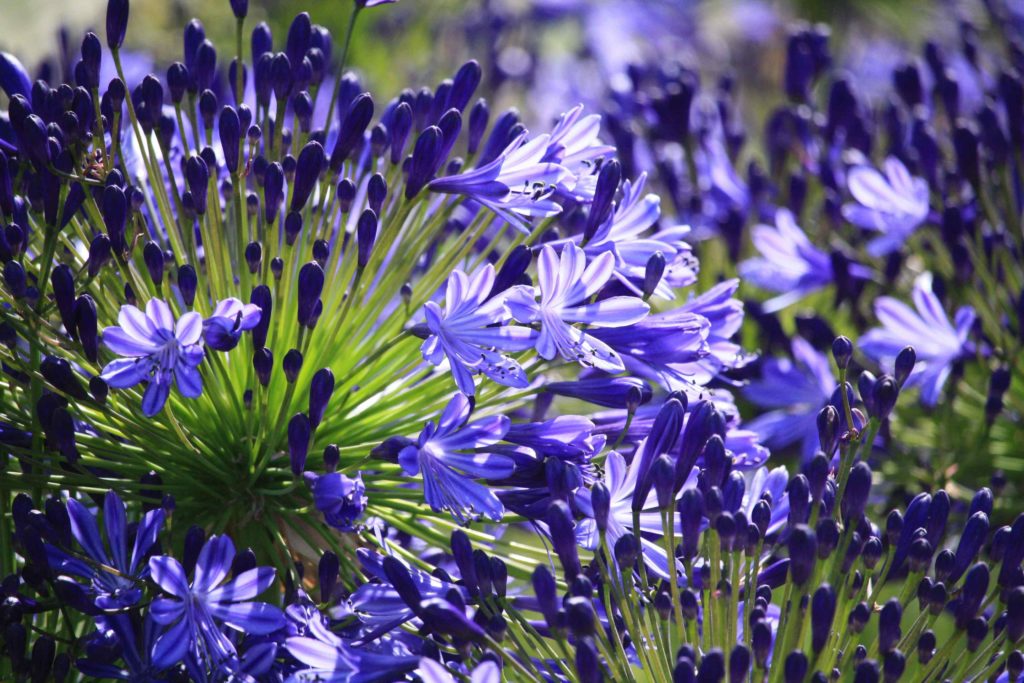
(894, 204)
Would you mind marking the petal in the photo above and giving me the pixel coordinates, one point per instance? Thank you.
(253, 618)
(164, 610)
(617, 311)
(146, 536)
(316, 654)
(168, 573)
(155, 397)
(135, 323)
(213, 564)
(114, 522)
(189, 328)
(126, 372)
(159, 315)
(245, 586)
(190, 382)
(124, 344)
(85, 531)
(170, 648)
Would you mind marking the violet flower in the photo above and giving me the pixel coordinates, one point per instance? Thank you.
(567, 283)
(157, 350)
(938, 342)
(894, 204)
(229, 319)
(449, 457)
(471, 332)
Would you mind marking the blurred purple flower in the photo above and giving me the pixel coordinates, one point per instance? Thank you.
(894, 204)
(938, 342)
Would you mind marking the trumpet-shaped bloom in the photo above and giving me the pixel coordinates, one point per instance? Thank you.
(195, 611)
(517, 184)
(788, 263)
(451, 454)
(794, 391)
(567, 283)
(117, 589)
(938, 342)
(229, 320)
(156, 350)
(894, 204)
(471, 332)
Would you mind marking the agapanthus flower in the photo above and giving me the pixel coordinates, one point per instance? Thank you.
(450, 454)
(224, 327)
(340, 498)
(788, 263)
(120, 588)
(516, 184)
(793, 391)
(157, 350)
(472, 331)
(567, 283)
(938, 342)
(194, 612)
(894, 204)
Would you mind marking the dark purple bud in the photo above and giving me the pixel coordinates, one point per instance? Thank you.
(92, 55)
(795, 668)
(971, 595)
(188, 282)
(982, 501)
(273, 192)
(803, 548)
(292, 227)
(203, 66)
(704, 421)
(464, 85)
(600, 501)
(653, 273)
(299, 36)
(425, 161)
(1014, 551)
(998, 384)
(332, 456)
(1015, 615)
(563, 539)
(280, 73)
(799, 493)
(823, 609)
(307, 172)
(311, 284)
(99, 254)
(828, 429)
(357, 118)
(462, 551)
(626, 551)
(197, 174)
(263, 363)
(690, 508)
(292, 365)
(611, 392)
(62, 280)
(153, 256)
(739, 664)
(241, 9)
(855, 497)
(366, 235)
(299, 432)
(842, 351)
(321, 251)
(253, 256)
(86, 326)
(376, 192)
(604, 196)
(889, 631)
(117, 22)
(478, 118)
(115, 216)
(302, 107)
(883, 397)
(177, 81)
(277, 267)
(230, 130)
(444, 618)
(761, 642)
(60, 375)
(320, 389)
(663, 474)
(907, 81)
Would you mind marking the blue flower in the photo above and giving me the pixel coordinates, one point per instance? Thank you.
(567, 283)
(517, 184)
(118, 589)
(341, 499)
(195, 611)
(894, 204)
(938, 342)
(450, 454)
(794, 391)
(471, 332)
(229, 319)
(157, 350)
(788, 263)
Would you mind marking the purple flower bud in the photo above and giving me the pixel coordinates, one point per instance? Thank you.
(855, 497)
(464, 85)
(971, 595)
(425, 161)
(292, 227)
(299, 432)
(478, 118)
(823, 609)
(299, 35)
(1014, 553)
(563, 538)
(92, 55)
(86, 326)
(971, 541)
(203, 67)
(320, 389)
(663, 474)
(462, 551)
(799, 494)
(311, 284)
(241, 9)
(400, 126)
(842, 351)
(357, 118)
(366, 235)
(653, 273)
(117, 22)
(690, 508)
(445, 619)
(280, 78)
(610, 392)
(604, 195)
(546, 590)
(376, 192)
(253, 256)
(60, 375)
(795, 667)
(1015, 616)
(62, 281)
(263, 363)
(717, 462)
(273, 192)
(704, 421)
(153, 256)
(230, 130)
(277, 267)
(187, 283)
(321, 251)
(803, 548)
(307, 172)
(302, 107)
(197, 174)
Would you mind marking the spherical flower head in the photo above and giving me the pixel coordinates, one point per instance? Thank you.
(340, 498)
(157, 350)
